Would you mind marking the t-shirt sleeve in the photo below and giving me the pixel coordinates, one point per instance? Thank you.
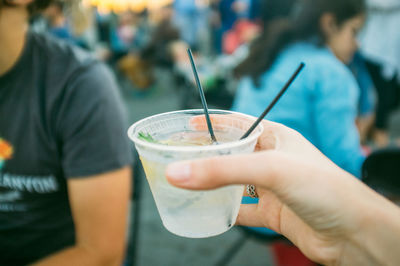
(335, 109)
(92, 124)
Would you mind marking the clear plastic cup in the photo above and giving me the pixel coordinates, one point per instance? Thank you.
(193, 214)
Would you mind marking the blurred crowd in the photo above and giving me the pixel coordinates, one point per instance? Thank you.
(220, 33)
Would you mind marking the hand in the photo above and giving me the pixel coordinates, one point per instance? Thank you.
(302, 194)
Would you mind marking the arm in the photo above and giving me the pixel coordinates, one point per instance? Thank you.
(379, 234)
(99, 206)
(333, 218)
(364, 126)
(95, 155)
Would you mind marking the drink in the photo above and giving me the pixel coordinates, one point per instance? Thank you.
(197, 138)
(204, 206)
(174, 137)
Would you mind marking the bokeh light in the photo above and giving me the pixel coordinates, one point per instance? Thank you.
(105, 6)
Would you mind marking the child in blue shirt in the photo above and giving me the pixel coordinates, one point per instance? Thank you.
(322, 103)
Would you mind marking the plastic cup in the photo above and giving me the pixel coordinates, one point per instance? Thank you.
(193, 214)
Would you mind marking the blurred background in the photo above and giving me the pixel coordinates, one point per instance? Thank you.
(144, 42)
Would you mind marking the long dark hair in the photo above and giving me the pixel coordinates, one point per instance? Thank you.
(297, 20)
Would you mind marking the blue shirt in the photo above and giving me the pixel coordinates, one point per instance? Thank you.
(61, 32)
(321, 104)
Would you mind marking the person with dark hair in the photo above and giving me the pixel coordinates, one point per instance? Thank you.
(156, 51)
(65, 174)
(322, 104)
(58, 27)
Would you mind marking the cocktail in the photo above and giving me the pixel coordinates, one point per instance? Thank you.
(183, 135)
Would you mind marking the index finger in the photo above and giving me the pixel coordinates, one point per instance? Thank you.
(266, 141)
(264, 170)
(220, 121)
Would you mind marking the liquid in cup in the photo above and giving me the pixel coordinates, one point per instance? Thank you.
(194, 214)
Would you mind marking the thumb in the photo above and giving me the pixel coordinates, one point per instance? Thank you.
(270, 170)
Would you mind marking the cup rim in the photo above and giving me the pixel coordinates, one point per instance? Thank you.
(160, 147)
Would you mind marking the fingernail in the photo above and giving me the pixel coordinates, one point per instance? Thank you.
(179, 172)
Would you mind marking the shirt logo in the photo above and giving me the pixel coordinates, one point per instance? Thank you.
(6, 152)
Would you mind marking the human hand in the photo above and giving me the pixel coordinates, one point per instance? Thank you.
(302, 194)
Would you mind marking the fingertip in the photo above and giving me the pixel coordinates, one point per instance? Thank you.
(179, 173)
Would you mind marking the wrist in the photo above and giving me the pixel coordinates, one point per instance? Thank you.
(376, 240)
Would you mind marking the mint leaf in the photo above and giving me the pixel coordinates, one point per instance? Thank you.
(146, 137)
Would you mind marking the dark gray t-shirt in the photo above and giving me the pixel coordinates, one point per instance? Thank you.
(61, 112)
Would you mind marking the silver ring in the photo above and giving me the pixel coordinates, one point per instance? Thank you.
(251, 191)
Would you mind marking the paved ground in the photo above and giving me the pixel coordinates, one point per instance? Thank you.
(156, 245)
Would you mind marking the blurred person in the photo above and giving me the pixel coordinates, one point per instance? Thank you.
(65, 178)
(60, 26)
(228, 14)
(214, 21)
(103, 25)
(191, 17)
(322, 103)
(229, 11)
(57, 20)
(241, 42)
(244, 32)
(82, 19)
(164, 33)
(122, 35)
(138, 66)
(332, 217)
(380, 44)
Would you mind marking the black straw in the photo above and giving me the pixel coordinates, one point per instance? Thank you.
(202, 96)
(272, 104)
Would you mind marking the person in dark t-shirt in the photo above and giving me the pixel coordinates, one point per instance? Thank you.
(64, 155)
